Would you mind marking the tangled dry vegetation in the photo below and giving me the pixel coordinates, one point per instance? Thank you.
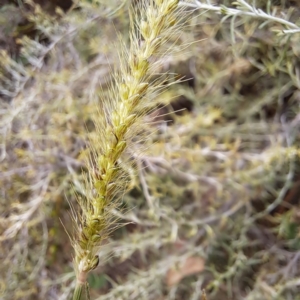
(214, 199)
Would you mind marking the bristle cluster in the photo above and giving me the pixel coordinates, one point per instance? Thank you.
(133, 84)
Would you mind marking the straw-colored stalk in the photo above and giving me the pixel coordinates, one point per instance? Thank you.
(153, 23)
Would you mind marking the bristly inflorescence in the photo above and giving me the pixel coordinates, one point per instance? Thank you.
(158, 20)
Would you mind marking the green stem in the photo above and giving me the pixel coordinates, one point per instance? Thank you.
(78, 291)
(81, 286)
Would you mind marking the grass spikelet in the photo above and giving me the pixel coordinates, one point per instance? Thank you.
(153, 23)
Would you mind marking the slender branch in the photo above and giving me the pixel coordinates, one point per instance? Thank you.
(244, 9)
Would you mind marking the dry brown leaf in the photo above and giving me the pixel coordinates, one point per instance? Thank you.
(191, 266)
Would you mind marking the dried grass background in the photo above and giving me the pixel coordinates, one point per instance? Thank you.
(214, 203)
